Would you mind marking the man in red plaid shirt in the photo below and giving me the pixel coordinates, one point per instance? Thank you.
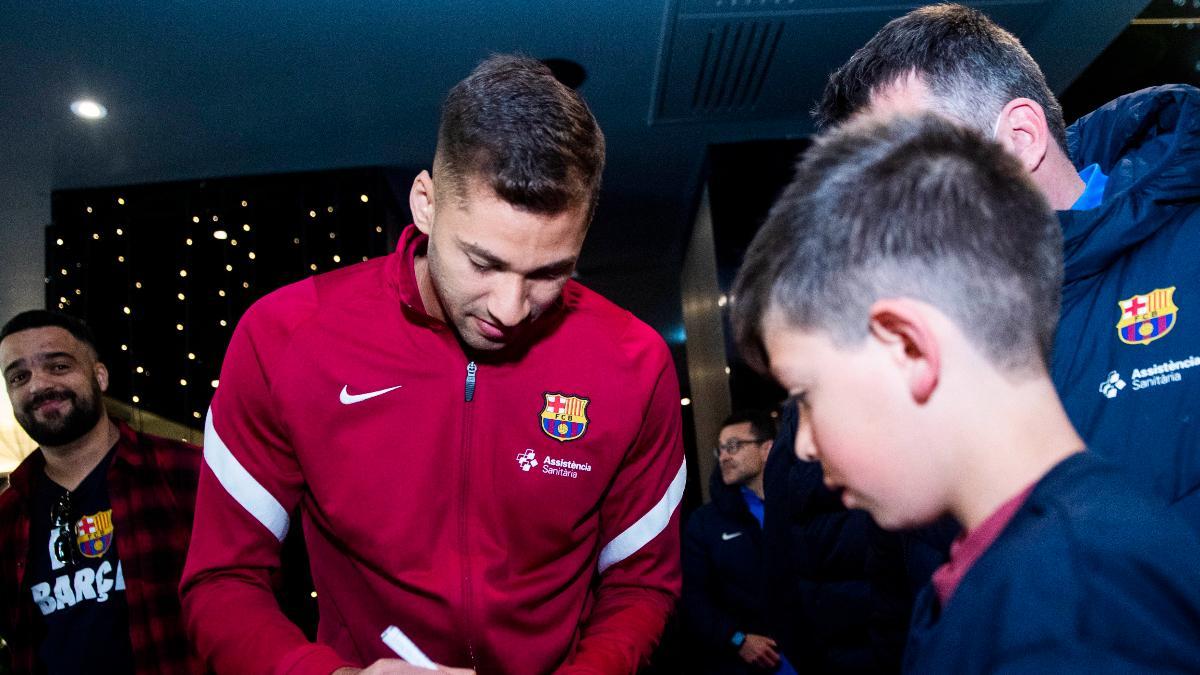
(95, 526)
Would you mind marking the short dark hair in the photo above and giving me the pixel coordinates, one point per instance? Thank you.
(761, 422)
(970, 64)
(41, 318)
(917, 207)
(529, 137)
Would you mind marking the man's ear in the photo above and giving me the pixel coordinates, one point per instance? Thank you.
(102, 376)
(421, 202)
(1021, 128)
(901, 326)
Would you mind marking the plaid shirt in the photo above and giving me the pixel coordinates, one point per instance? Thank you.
(152, 488)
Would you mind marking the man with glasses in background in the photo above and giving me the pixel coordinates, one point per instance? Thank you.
(95, 526)
(724, 589)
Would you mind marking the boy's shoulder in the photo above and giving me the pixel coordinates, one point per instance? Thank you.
(1088, 563)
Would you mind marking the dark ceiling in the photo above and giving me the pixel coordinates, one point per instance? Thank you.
(213, 89)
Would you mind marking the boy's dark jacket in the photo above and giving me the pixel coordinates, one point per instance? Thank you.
(724, 588)
(1089, 576)
(1138, 404)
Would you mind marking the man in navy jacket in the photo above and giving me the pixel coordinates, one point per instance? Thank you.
(724, 600)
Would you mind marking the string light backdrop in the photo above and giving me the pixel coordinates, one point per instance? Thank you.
(162, 272)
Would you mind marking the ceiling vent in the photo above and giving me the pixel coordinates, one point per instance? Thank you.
(743, 60)
(734, 66)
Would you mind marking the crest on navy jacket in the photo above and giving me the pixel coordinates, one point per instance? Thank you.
(1146, 318)
(564, 418)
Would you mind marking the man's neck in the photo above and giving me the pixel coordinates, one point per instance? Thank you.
(1024, 434)
(756, 485)
(1057, 179)
(429, 298)
(69, 464)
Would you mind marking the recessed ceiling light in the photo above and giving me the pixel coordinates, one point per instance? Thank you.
(89, 109)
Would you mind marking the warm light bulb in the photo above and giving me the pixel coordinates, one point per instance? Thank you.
(364, 198)
(220, 234)
(121, 201)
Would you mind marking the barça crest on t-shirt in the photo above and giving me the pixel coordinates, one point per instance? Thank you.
(95, 533)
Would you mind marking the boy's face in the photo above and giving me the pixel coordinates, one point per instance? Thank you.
(858, 419)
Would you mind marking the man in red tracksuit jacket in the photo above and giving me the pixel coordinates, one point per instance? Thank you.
(482, 452)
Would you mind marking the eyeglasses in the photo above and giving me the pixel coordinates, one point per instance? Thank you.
(62, 519)
(734, 445)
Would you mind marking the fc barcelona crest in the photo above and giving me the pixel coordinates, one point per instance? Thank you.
(95, 533)
(565, 417)
(1146, 318)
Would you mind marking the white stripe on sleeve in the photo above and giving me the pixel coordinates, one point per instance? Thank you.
(240, 485)
(648, 526)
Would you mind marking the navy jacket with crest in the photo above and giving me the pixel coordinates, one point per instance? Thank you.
(1127, 354)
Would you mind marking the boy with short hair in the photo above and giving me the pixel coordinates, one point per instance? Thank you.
(905, 290)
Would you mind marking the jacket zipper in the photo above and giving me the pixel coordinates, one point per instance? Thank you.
(469, 392)
(463, 534)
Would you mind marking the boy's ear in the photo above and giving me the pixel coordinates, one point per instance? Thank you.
(903, 329)
(420, 202)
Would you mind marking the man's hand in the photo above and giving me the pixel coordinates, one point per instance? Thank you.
(759, 650)
(399, 667)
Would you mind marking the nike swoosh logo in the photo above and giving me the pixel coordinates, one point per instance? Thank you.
(348, 399)
(725, 536)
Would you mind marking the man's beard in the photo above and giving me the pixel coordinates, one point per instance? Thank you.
(82, 417)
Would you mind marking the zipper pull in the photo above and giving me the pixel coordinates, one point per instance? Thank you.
(470, 390)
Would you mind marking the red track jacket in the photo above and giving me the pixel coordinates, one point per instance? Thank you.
(517, 517)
